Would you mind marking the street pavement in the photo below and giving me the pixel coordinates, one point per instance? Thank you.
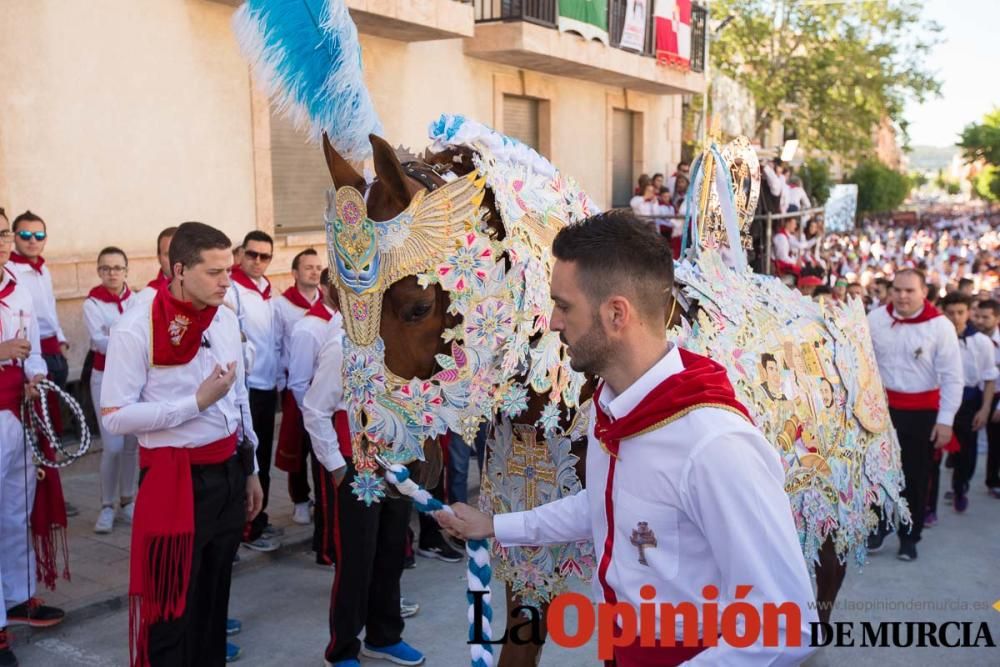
(283, 598)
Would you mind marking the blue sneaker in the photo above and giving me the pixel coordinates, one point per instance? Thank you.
(233, 627)
(233, 652)
(400, 653)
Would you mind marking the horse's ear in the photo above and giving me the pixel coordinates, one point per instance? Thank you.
(341, 171)
(388, 170)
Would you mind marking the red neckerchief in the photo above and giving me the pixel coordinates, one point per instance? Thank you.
(702, 383)
(37, 265)
(177, 328)
(104, 295)
(319, 310)
(7, 289)
(295, 297)
(243, 279)
(161, 280)
(929, 312)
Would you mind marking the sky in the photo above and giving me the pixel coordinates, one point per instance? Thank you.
(965, 62)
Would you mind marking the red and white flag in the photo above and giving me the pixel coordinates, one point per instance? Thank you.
(673, 32)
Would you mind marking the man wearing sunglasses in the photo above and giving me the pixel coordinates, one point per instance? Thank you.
(250, 296)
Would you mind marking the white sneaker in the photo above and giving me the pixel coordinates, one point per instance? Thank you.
(300, 514)
(128, 511)
(105, 521)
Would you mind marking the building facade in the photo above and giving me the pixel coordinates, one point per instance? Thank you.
(121, 117)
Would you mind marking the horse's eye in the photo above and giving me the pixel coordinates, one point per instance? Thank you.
(417, 311)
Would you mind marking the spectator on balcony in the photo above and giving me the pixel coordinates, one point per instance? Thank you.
(644, 180)
(785, 250)
(796, 195)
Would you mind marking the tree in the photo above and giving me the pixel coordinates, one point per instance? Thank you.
(815, 174)
(832, 71)
(981, 141)
(880, 189)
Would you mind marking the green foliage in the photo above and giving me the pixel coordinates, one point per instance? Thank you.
(833, 71)
(952, 188)
(987, 183)
(981, 141)
(880, 189)
(815, 174)
(918, 179)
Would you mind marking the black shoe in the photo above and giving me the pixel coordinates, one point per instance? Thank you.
(875, 541)
(35, 614)
(441, 552)
(907, 550)
(409, 562)
(7, 657)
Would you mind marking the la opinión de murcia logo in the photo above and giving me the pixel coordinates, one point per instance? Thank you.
(739, 624)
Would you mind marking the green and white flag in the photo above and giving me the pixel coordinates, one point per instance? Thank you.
(588, 18)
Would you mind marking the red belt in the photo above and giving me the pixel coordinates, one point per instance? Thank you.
(11, 388)
(50, 345)
(99, 360)
(921, 400)
(343, 428)
(163, 537)
(635, 655)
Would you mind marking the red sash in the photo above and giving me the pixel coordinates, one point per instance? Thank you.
(101, 293)
(343, 427)
(243, 279)
(320, 310)
(11, 388)
(296, 298)
(290, 455)
(921, 400)
(163, 537)
(177, 328)
(50, 346)
(37, 265)
(161, 280)
(653, 656)
(100, 360)
(929, 312)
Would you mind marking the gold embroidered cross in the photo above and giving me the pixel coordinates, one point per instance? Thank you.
(643, 537)
(530, 461)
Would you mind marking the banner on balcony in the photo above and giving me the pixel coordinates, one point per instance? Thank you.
(634, 28)
(588, 18)
(673, 33)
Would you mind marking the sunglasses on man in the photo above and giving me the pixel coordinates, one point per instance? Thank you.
(26, 236)
(254, 255)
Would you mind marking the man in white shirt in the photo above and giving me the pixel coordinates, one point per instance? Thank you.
(102, 309)
(250, 296)
(174, 377)
(672, 458)
(796, 195)
(20, 362)
(163, 276)
(28, 264)
(979, 371)
(289, 309)
(921, 368)
(987, 320)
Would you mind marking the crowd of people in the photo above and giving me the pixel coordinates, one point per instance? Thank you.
(163, 372)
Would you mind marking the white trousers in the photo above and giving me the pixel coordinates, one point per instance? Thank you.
(120, 457)
(17, 497)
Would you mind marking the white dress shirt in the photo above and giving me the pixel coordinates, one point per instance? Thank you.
(286, 316)
(711, 489)
(784, 249)
(308, 337)
(325, 397)
(257, 322)
(915, 358)
(39, 286)
(17, 320)
(978, 360)
(100, 317)
(158, 403)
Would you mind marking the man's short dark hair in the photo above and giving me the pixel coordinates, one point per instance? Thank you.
(849, 286)
(955, 298)
(822, 290)
(962, 282)
(27, 216)
(191, 238)
(259, 236)
(657, 175)
(765, 358)
(615, 252)
(3, 213)
(990, 304)
(165, 234)
(884, 282)
(683, 163)
(112, 250)
(308, 252)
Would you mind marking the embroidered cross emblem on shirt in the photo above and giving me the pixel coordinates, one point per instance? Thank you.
(643, 537)
(530, 460)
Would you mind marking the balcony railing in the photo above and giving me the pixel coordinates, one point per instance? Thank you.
(546, 13)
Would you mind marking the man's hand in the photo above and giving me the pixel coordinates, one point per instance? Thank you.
(216, 385)
(64, 348)
(31, 388)
(941, 435)
(338, 476)
(17, 349)
(466, 523)
(980, 418)
(255, 497)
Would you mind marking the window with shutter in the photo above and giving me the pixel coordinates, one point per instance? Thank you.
(622, 157)
(520, 119)
(299, 177)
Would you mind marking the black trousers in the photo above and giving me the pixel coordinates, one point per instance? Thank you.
(993, 452)
(298, 480)
(198, 638)
(324, 514)
(58, 369)
(263, 405)
(965, 462)
(914, 429)
(369, 542)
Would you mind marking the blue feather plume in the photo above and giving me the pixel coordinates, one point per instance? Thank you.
(306, 56)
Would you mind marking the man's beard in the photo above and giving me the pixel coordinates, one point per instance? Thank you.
(592, 352)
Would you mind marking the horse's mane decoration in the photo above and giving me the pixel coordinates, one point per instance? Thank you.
(806, 372)
(306, 56)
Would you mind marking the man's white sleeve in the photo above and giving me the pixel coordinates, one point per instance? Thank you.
(948, 362)
(320, 403)
(563, 520)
